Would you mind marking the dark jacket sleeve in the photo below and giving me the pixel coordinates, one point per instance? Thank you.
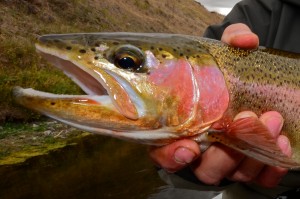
(276, 22)
(259, 15)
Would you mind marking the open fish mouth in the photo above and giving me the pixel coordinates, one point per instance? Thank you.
(103, 87)
(112, 105)
(80, 76)
(96, 93)
(134, 82)
(127, 94)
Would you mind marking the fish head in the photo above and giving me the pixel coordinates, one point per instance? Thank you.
(134, 82)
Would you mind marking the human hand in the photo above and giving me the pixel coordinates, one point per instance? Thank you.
(209, 167)
(240, 35)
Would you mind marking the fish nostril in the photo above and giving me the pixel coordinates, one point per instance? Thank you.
(42, 39)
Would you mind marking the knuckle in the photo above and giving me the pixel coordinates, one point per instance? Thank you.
(243, 177)
(209, 178)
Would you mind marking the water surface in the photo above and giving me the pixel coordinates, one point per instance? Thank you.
(95, 167)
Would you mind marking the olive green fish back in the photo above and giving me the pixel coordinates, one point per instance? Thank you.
(263, 80)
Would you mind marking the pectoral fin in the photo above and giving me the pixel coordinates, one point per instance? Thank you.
(250, 137)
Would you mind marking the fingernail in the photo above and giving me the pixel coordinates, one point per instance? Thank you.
(284, 144)
(245, 114)
(184, 155)
(274, 124)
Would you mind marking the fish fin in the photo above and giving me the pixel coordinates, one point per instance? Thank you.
(250, 137)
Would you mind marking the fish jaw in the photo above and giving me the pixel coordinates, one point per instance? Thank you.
(95, 81)
(112, 107)
(95, 114)
(134, 94)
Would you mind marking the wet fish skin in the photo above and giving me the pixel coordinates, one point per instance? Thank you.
(216, 82)
(263, 80)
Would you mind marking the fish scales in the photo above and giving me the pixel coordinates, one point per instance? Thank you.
(260, 80)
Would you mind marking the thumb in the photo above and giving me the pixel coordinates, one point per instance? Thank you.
(175, 156)
(240, 35)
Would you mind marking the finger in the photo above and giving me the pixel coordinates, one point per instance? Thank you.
(245, 114)
(284, 144)
(247, 171)
(176, 155)
(273, 121)
(240, 35)
(211, 169)
(271, 176)
(249, 168)
(217, 162)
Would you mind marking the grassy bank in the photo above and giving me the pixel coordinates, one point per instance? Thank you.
(22, 21)
(20, 141)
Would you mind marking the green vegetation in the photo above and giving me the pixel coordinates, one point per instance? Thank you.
(19, 141)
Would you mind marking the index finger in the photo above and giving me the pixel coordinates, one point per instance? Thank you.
(240, 35)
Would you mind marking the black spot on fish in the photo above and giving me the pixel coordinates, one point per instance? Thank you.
(69, 48)
(151, 47)
(164, 56)
(160, 49)
(96, 57)
(52, 103)
(82, 51)
(181, 54)
(93, 49)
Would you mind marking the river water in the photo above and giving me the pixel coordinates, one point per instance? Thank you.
(95, 167)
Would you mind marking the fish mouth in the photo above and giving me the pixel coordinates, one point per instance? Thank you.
(98, 88)
(82, 78)
(122, 114)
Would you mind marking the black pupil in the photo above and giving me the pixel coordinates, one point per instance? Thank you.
(129, 58)
(127, 63)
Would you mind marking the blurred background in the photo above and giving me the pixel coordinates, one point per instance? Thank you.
(219, 6)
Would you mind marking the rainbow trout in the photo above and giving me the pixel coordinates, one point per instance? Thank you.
(158, 88)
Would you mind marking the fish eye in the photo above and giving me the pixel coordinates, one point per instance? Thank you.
(129, 58)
